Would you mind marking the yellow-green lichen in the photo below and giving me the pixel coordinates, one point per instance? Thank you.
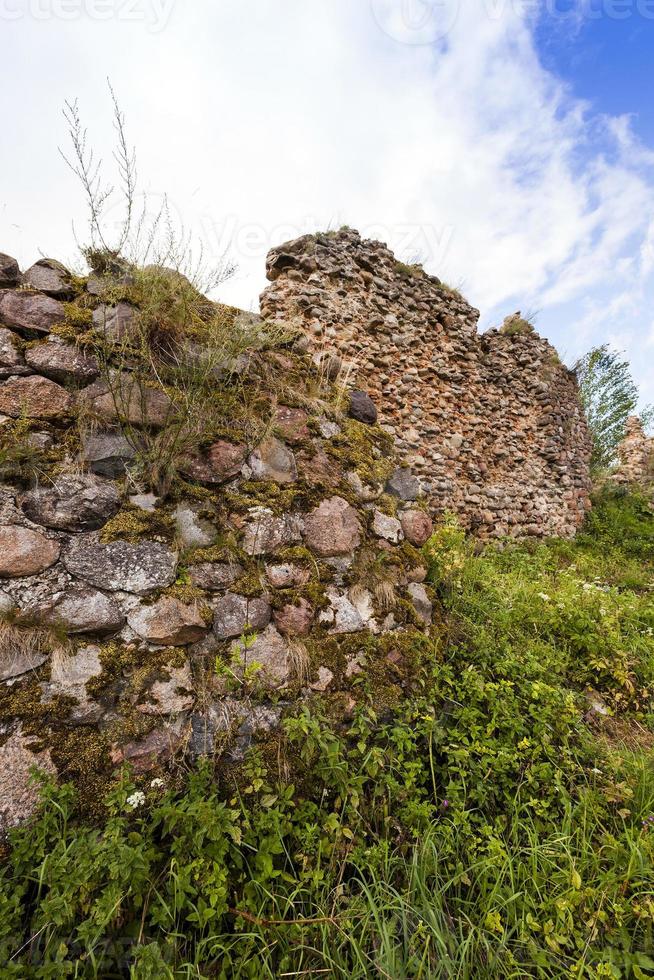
(133, 524)
(190, 595)
(366, 449)
(78, 316)
(250, 585)
(224, 549)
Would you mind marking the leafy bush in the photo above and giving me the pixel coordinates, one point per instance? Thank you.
(609, 396)
(495, 825)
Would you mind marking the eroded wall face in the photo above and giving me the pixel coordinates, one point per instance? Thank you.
(491, 422)
(636, 455)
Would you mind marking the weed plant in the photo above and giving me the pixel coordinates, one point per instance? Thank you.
(499, 824)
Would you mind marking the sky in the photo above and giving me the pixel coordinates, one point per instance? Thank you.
(506, 144)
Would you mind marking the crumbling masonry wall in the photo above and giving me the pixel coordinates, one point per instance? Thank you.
(491, 422)
(636, 455)
(141, 623)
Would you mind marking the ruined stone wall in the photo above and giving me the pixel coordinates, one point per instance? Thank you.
(135, 628)
(491, 422)
(636, 455)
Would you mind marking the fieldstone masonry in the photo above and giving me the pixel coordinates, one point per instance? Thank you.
(636, 455)
(136, 628)
(491, 422)
(283, 565)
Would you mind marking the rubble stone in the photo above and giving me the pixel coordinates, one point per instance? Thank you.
(17, 659)
(19, 795)
(214, 576)
(25, 552)
(292, 424)
(72, 503)
(9, 271)
(387, 527)
(12, 362)
(266, 659)
(404, 484)
(34, 398)
(167, 622)
(193, 530)
(273, 460)
(635, 455)
(294, 619)
(126, 398)
(120, 566)
(362, 407)
(170, 696)
(222, 461)
(421, 601)
(286, 576)
(114, 322)
(333, 528)
(30, 312)
(417, 526)
(69, 675)
(236, 614)
(51, 277)
(154, 750)
(62, 362)
(265, 533)
(78, 609)
(108, 454)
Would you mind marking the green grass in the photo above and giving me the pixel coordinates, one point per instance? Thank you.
(517, 326)
(492, 827)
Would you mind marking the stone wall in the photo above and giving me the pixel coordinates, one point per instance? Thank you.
(491, 422)
(636, 455)
(282, 565)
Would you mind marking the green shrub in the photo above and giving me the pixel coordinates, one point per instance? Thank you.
(609, 396)
(492, 826)
(517, 326)
(409, 270)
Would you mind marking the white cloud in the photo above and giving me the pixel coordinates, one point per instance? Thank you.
(267, 120)
(647, 251)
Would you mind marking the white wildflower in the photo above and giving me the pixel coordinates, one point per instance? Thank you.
(157, 783)
(544, 596)
(136, 800)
